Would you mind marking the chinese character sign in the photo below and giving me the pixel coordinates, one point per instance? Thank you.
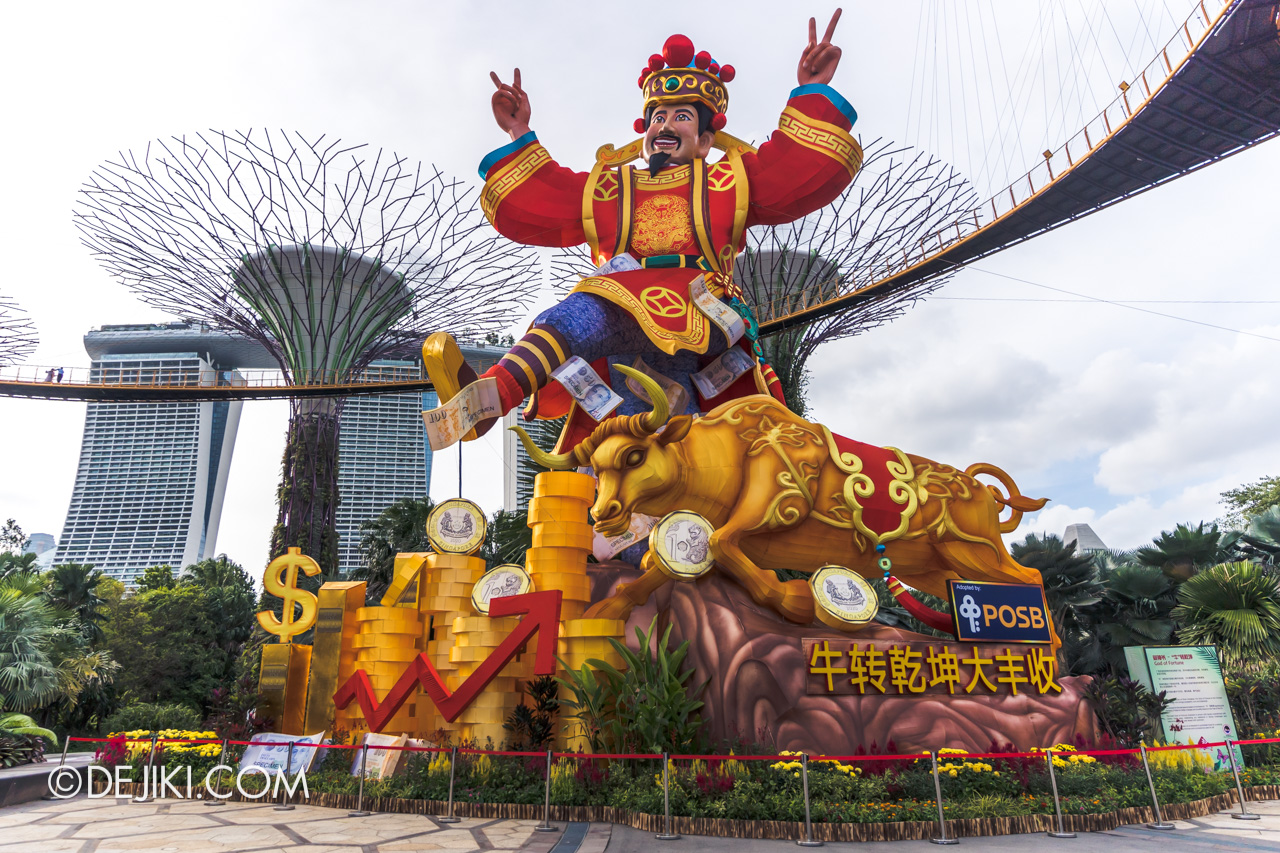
(845, 667)
(999, 612)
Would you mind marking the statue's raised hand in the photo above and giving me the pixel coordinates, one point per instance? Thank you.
(510, 106)
(820, 58)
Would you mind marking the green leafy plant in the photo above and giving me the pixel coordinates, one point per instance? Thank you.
(645, 707)
(1234, 606)
(1127, 711)
(153, 717)
(533, 726)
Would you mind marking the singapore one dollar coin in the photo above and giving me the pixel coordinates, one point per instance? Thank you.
(681, 542)
(843, 598)
(456, 526)
(498, 582)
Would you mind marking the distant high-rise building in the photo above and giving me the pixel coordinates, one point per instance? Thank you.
(520, 469)
(383, 456)
(43, 546)
(1083, 537)
(152, 476)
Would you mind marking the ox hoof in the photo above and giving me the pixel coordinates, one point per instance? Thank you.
(797, 602)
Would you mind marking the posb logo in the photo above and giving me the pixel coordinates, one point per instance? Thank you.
(999, 612)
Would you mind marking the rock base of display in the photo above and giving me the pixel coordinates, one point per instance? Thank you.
(757, 674)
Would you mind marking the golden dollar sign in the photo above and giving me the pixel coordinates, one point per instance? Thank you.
(281, 580)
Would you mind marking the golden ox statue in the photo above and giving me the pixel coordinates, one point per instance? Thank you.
(785, 493)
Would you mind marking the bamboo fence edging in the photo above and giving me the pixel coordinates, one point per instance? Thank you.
(780, 829)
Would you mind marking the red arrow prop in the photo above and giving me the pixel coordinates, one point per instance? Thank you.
(543, 609)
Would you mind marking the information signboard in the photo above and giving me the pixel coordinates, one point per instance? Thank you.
(1191, 677)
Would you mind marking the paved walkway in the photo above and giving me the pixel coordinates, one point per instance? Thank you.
(83, 826)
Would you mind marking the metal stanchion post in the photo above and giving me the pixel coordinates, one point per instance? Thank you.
(222, 759)
(364, 759)
(1057, 803)
(66, 743)
(453, 766)
(149, 769)
(1155, 801)
(942, 820)
(287, 806)
(666, 834)
(1244, 814)
(807, 841)
(546, 826)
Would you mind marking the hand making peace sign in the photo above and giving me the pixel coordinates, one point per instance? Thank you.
(511, 106)
(819, 60)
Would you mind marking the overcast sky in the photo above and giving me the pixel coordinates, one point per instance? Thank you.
(1128, 421)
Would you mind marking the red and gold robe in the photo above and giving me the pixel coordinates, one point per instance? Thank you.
(698, 209)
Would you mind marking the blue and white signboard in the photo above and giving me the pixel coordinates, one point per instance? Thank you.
(999, 612)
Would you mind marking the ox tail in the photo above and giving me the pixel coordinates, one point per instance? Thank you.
(935, 619)
(1017, 502)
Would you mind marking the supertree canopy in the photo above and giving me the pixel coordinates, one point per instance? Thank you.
(898, 197)
(330, 255)
(17, 333)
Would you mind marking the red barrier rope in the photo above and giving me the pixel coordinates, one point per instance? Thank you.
(645, 756)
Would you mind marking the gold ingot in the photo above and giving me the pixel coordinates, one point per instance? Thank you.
(400, 655)
(453, 591)
(551, 509)
(441, 561)
(282, 683)
(564, 484)
(393, 633)
(594, 628)
(389, 670)
(470, 654)
(572, 585)
(563, 536)
(465, 575)
(332, 658)
(468, 624)
(370, 614)
(539, 560)
(404, 579)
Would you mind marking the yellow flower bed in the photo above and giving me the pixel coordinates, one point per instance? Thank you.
(794, 765)
(1064, 755)
(139, 743)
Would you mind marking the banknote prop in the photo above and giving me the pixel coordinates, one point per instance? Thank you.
(447, 424)
(586, 387)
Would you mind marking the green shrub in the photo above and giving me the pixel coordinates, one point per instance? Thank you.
(152, 717)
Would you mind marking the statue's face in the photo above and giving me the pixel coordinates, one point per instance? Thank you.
(673, 129)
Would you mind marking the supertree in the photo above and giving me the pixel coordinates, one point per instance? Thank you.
(17, 333)
(330, 255)
(898, 196)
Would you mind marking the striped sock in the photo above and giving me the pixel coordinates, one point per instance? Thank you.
(527, 366)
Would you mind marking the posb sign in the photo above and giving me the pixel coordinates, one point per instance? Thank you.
(999, 612)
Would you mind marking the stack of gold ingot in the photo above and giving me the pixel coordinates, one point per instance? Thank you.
(445, 594)
(386, 642)
(475, 638)
(561, 537)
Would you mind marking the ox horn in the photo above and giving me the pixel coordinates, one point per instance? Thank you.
(656, 419)
(554, 461)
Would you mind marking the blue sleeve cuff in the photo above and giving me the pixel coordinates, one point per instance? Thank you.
(837, 100)
(510, 148)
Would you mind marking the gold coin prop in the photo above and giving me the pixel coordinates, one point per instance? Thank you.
(843, 597)
(456, 526)
(681, 541)
(507, 579)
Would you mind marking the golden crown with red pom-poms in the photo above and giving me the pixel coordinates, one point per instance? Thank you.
(678, 75)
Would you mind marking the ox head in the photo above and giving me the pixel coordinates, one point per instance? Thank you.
(632, 460)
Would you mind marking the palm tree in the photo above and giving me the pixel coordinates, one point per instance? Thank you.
(28, 625)
(221, 571)
(1135, 610)
(401, 528)
(1183, 551)
(507, 538)
(73, 587)
(1071, 586)
(12, 564)
(1234, 606)
(1261, 542)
